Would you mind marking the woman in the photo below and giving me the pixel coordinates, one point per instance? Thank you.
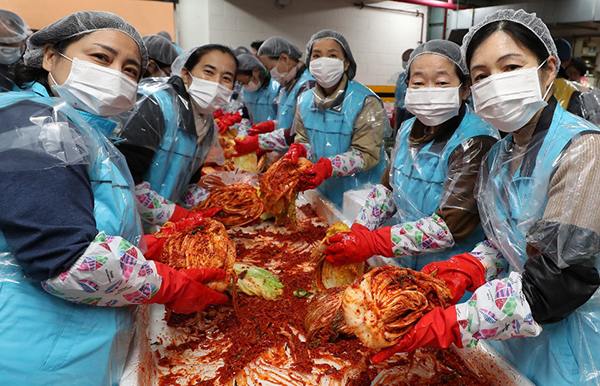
(576, 71)
(538, 201)
(161, 54)
(340, 122)
(433, 172)
(13, 34)
(282, 59)
(260, 89)
(68, 234)
(170, 133)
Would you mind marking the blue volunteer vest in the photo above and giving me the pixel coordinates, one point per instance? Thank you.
(330, 133)
(569, 350)
(286, 104)
(47, 340)
(178, 156)
(418, 181)
(261, 104)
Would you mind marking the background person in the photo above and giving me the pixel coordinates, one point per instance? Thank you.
(13, 35)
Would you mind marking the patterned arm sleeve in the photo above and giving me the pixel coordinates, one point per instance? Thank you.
(151, 206)
(498, 310)
(491, 258)
(379, 207)
(193, 195)
(348, 163)
(426, 235)
(111, 272)
(274, 140)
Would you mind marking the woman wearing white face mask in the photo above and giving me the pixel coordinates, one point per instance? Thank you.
(282, 59)
(260, 89)
(68, 226)
(170, 133)
(340, 122)
(539, 202)
(430, 182)
(13, 34)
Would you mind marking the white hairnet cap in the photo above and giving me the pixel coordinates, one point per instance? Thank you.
(527, 20)
(338, 37)
(276, 45)
(445, 48)
(79, 23)
(160, 49)
(248, 62)
(13, 29)
(241, 50)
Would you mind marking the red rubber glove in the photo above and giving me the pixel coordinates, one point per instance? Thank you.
(461, 273)
(218, 113)
(262, 128)
(184, 292)
(359, 245)
(295, 151)
(316, 174)
(227, 121)
(437, 328)
(246, 145)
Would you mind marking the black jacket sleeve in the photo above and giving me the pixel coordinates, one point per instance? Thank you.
(553, 293)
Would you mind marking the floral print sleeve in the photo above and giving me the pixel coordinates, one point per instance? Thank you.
(498, 310)
(491, 258)
(193, 195)
(151, 206)
(348, 163)
(379, 207)
(274, 140)
(111, 272)
(426, 235)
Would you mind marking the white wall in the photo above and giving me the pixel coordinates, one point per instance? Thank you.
(377, 38)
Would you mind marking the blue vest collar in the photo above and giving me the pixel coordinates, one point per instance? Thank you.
(103, 125)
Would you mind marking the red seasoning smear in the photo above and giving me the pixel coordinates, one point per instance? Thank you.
(261, 324)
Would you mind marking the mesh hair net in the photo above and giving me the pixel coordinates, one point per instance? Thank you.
(248, 62)
(165, 35)
(241, 50)
(338, 37)
(13, 29)
(445, 48)
(160, 49)
(76, 24)
(276, 45)
(528, 20)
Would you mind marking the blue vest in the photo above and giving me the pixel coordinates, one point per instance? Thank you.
(400, 91)
(330, 133)
(286, 105)
(261, 104)
(47, 340)
(418, 176)
(178, 156)
(570, 349)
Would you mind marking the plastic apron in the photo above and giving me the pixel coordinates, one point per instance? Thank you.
(286, 103)
(330, 133)
(261, 103)
(47, 340)
(567, 352)
(418, 175)
(181, 152)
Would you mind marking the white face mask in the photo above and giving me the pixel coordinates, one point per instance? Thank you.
(10, 55)
(283, 77)
(96, 89)
(433, 105)
(208, 96)
(251, 86)
(509, 100)
(327, 71)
